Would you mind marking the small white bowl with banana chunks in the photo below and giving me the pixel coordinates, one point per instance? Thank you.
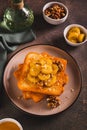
(75, 34)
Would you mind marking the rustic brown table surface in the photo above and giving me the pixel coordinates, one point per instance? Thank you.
(75, 117)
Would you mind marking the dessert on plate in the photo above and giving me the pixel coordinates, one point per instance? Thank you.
(42, 76)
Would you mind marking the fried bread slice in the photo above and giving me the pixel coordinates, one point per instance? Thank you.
(36, 97)
(42, 80)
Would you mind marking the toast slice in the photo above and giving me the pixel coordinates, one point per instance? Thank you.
(43, 74)
(36, 97)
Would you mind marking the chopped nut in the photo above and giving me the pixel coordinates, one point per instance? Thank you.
(20, 97)
(55, 11)
(72, 90)
(52, 101)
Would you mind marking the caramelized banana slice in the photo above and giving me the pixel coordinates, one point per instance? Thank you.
(51, 81)
(73, 40)
(55, 68)
(35, 69)
(74, 29)
(32, 78)
(45, 60)
(43, 76)
(81, 37)
(46, 65)
(46, 69)
(73, 37)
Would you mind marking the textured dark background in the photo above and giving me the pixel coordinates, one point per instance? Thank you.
(75, 117)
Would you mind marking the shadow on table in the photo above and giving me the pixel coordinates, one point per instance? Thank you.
(40, 24)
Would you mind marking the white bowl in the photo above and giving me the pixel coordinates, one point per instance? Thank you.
(83, 29)
(55, 21)
(5, 120)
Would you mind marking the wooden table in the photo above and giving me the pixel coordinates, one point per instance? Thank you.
(75, 117)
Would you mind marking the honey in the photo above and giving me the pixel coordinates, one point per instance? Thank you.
(9, 126)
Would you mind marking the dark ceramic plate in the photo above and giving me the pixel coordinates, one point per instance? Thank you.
(68, 97)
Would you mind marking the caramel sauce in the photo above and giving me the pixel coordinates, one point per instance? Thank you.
(8, 126)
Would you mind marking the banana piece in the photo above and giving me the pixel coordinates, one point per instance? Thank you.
(32, 78)
(75, 30)
(46, 69)
(45, 60)
(55, 68)
(51, 81)
(35, 69)
(73, 40)
(43, 77)
(75, 35)
(46, 65)
(81, 37)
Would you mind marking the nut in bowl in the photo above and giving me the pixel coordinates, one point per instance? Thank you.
(55, 13)
(75, 34)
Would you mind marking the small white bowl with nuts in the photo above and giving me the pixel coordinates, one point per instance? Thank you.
(75, 34)
(55, 13)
